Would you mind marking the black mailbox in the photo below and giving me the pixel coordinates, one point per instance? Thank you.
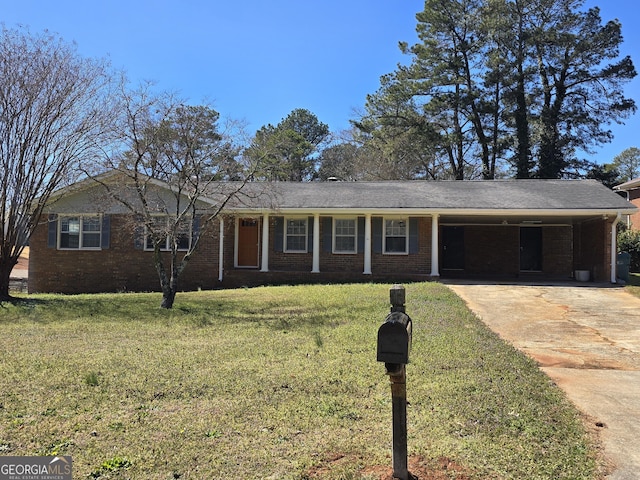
(394, 339)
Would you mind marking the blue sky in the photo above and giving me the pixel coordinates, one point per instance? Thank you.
(257, 61)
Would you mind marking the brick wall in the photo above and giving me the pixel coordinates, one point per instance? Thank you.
(592, 248)
(634, 197)
(121, 267)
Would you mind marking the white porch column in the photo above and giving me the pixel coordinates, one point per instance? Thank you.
(315, 268)
(265, 243)
(367, 244)
(435, 244)
(221, 249)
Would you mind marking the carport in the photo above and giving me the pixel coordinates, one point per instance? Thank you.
(520, 245)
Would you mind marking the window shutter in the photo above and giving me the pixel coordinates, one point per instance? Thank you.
(413, 235)
(195, 229)
(310, 234)
(278, 227)
(52, 235)
(360, 234)
(376, 227)
(105, 233)
(138, 233)
(327, 234)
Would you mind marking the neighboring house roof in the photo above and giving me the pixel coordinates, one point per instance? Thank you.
(630, 185)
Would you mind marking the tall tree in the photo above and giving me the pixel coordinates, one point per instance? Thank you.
(289, 150)
(581, 80)
(55, 114)
(533, 81)
(179, 147)
(627, 163)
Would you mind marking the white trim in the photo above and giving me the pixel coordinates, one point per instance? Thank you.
(315, 268)
(367, 244)
(406, 235)
(81, 217)
(285, 240)
(265, 243)
(435, 246)
(333, 236)
(614, 249)
(221, 250)
(451, 212)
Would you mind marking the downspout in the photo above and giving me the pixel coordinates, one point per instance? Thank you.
(614, 248)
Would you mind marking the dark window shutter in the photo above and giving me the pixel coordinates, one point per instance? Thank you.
(376, 227)
(195, 229)
(52, 236)
(105, 234)
(413, 235)
(310, 234)
(278, 226)
(138, 233)
(327, 234)
(360, 234)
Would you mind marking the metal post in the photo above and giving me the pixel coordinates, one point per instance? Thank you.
(399, 407)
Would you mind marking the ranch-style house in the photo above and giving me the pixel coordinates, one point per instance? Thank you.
(287, 232)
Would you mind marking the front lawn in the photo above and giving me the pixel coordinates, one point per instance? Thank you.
(274, 383)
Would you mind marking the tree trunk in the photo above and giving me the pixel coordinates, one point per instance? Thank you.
(168, 297)
(5, 275)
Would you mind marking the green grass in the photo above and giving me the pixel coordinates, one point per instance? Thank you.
(273, 383)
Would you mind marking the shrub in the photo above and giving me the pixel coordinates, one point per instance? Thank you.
(629, 241)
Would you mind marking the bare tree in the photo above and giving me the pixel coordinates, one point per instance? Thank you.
(54, 114)
(177, 165)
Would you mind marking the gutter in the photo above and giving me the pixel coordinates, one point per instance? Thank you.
(614, 248)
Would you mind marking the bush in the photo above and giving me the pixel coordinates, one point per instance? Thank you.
(629, 241)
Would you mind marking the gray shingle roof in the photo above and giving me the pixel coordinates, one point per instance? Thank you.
(437, 195)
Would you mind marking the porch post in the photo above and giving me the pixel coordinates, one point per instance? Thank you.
(315, 268)
(435, 244)
(221, 249)
(265, 243)
(367, 244)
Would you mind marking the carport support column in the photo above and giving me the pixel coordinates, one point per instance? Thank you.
(435, 245)
(614, 249)
(367, 244)
(264, 267)
(315, 268)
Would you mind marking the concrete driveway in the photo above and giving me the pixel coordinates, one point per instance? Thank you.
(586, 337)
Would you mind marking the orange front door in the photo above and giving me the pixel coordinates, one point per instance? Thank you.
(248, 242)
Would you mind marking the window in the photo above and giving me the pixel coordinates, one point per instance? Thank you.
(80, 232)
(395, 236)
(344, 235)
(161, 229)
(295, 235)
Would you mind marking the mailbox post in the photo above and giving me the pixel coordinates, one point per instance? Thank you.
(394, 344)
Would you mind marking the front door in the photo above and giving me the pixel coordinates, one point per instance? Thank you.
(452, 248)
(248, 242)
(530, 249)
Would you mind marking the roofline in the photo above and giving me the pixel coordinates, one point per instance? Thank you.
(436, 211)
(630, 185)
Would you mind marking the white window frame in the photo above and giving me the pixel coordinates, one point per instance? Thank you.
(81, 231)
(354, 236)
(406, 234)
(167, 240)
(287, 234)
